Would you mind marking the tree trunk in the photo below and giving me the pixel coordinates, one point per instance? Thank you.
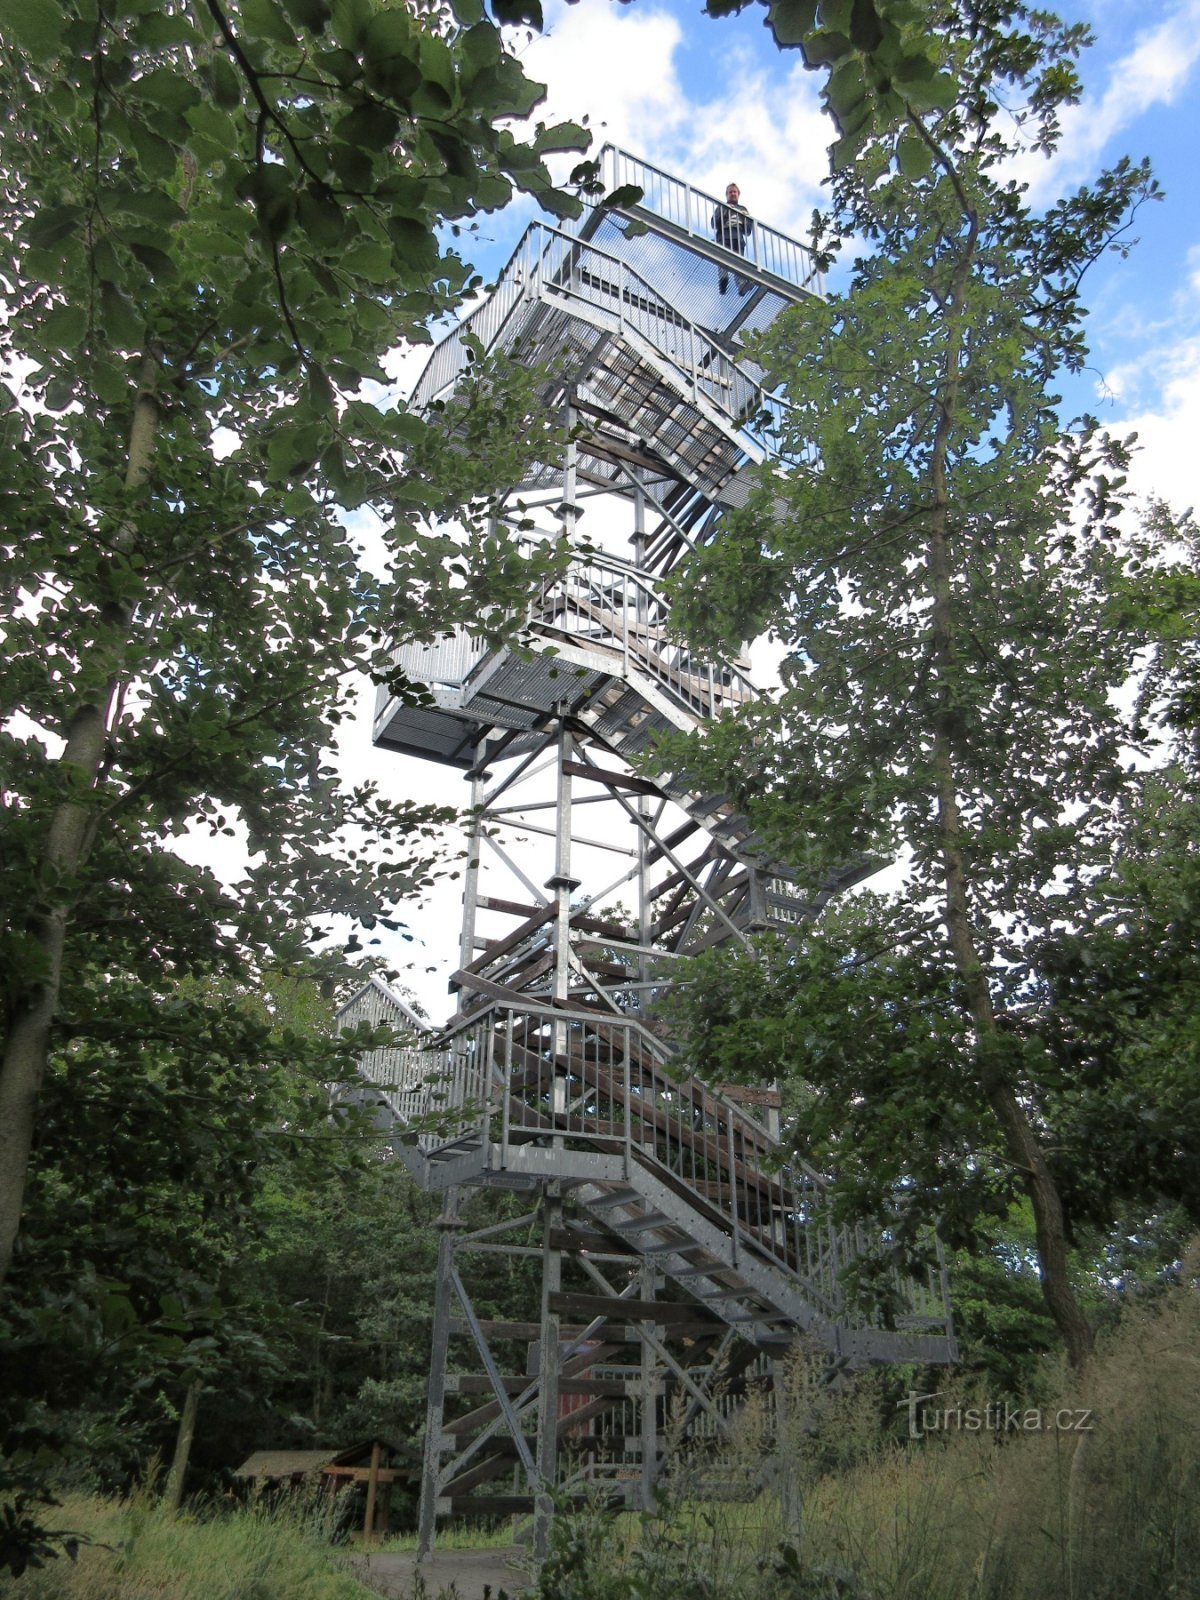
(173, 1493)
(68, 841)
(1020, 1137)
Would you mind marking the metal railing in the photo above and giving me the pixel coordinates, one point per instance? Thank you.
(601, 602)
(691, 210)
(556, 268)
(518, 1073)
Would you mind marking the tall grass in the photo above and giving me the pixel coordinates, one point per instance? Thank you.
(1109, 1510)
(140, 1552)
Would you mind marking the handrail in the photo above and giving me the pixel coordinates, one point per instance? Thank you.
(505, 1071)
(598, 600)
(550, 263)
(691, 210)
(602, 600)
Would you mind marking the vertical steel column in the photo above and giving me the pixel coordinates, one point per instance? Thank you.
(790, 1504)
(645, 910)
(431, 1466)
(548, 1369)
(649, 1395)
(470, 901)
(562, 883)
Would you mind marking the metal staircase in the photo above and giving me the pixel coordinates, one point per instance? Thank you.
(671, 1231)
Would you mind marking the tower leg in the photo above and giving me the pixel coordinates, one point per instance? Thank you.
(786, 1421)
(649, 1399)
(548, 1369)
(431, 1466)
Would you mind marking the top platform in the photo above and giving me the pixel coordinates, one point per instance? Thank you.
(642, 316)
(681, 214)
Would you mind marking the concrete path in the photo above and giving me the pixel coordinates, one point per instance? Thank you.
(454, 1574)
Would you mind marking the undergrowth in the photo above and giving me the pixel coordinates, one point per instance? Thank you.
(139, 1551)
(1107, 1508)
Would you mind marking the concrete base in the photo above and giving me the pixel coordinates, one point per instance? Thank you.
(447, 1574)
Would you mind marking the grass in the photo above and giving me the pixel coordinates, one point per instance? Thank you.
(1108, 1513)
(1112, 1513)
(139, 1552)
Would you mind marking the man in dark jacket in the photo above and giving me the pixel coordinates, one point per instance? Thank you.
(732, 226)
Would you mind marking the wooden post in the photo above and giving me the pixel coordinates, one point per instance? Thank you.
(372, 1486)
(173, 1494)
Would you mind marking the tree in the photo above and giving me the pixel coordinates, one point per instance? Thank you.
(942, 560)
(217, 217)
(168, 1120)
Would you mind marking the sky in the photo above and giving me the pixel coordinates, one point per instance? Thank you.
(716, 101)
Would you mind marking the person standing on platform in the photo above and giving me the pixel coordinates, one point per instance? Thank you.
(732, 226)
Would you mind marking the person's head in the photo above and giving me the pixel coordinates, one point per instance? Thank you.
(732, 193)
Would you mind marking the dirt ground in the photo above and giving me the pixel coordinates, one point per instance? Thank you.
(455, 1574)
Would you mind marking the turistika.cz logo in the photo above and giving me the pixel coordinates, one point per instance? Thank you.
(997, 1416)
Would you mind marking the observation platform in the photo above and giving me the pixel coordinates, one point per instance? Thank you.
(624, 310)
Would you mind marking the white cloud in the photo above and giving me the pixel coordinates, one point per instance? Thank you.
(621, 68)
(1166, 463)
(615, 67)
(1153, 73)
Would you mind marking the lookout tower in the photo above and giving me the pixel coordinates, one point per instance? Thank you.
(678, 1258)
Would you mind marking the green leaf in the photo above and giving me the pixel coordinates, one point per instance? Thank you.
(265, 19)
(311, 14)
(835, 15)
(121, 325)
(392, 55)
(913, 155)
(823, 49)
(791, 21)
(35, 26)
(623, 197)
(161, 30)
(846, 89)
(938, 94)
(53, 224)
(415, 244)
(370, 259)
(518, 13)
(64, 327)
(59, 393)
(437, 63)
(226, 81)
(158, 158)
(349, 19)
(480, 46)
(866, 30)
(562, 136)
(320, 217)
(167, 89)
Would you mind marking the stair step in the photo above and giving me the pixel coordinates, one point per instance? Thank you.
(620, 1197)
(641, 1224)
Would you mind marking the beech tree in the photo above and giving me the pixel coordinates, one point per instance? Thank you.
(217, 216)
(943, 560)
